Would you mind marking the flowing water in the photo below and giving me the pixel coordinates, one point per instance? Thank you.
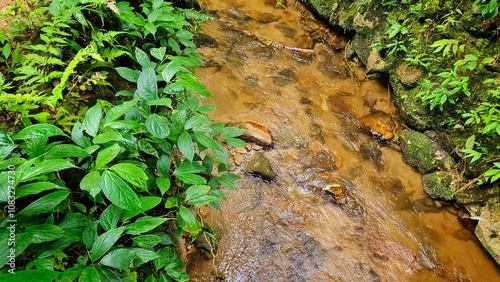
(380, 226)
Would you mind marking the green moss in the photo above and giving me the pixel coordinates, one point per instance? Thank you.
(418, 150)
(439, 185)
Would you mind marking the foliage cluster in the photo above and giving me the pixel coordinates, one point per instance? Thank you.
(102, 202)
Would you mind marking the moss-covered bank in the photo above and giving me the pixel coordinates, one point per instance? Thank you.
(443, 62)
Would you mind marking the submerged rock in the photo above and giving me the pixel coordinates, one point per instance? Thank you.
(284, 77)
(260, 166)
(258, 134)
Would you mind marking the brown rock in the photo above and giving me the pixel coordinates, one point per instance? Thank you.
(258, 134)
(375, 63)
(379, 124)
(407, 75)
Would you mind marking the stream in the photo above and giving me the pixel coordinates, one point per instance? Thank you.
(378, 225)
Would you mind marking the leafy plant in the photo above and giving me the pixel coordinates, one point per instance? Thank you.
(447, 45)
(488, 8)
(396, 29)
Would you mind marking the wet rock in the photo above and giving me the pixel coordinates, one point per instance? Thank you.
(313, 249)
(205, 246)
(370, 150)
(204, 40)
(408, 76)
(252, 81)
(379, 124)
(440, 185)
(266, 17)
(337, 192)
(286, 30)
(260, 166)
(465, 219)
(488, 229)
(479, 195)
(284, 77)
(375, 63)
(421, 152)
(258, 134)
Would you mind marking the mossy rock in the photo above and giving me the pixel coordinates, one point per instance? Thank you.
(419, 151)
(260, 166)
(440, 185)
(488, 230)
(479, 195)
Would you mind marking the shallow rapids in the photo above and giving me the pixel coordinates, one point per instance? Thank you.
(381, 226)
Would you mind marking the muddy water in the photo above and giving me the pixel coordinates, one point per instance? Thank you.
(382, 227)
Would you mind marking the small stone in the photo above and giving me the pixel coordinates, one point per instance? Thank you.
(379, 124)
(260, 166)
(238, 159)
(375, 63)
(408, 76)
(284, 77)
(258, 134)
(337, 192)
(266, 17)
(240, 150)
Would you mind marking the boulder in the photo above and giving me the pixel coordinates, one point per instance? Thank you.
(256, 133)
(488, 229)
(260, 166)
(479, 195)
(441, 184)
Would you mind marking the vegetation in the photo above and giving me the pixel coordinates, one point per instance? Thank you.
(99, 187)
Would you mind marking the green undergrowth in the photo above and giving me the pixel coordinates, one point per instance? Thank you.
(102, 189)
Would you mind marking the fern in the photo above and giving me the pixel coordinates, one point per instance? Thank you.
(195, 16)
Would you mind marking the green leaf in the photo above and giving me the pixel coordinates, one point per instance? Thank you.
(206, 141)
(469, 144)
(189, 167)
(118, 191)
(71, 274)
(191, 179)
(128, 74)
(163, 164)
(5, 150)
(89, 235)
(195, 121)
(110, 217)
(158, 53)
(92, 183)
(163, 184)
(92, 119)
(186, 146)
(169, 72)
(44, 233)
(131, 173)
(104, 242)
(117, 111)
(78, 137)
(161, 102)
(147, 203)
(119, 258)
(45, 204)
(35, 188)
(157, 126)
(171, 202)
(147, 148)
(196, 191)
(90, 274)
(144, 224)
(235, 142)
(107, 155)
(45, 167)
(42, 275)
(187, 221)
(146, 241)
(143, 59)
(108, 136)
(144, 256)
(195, 87)
(147, 87)
(229, 131)
(39, 130)
(66, 151)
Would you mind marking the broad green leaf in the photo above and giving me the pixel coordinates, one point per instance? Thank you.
(89, 235)
(163, 164)
(187, 221)
(74, 220)
(92, 119)
(78, 137)
(45, 204)
(206, 141)
(128, 74)
(229, 131)
(89, 275)
(39, 130)
(45, 167)
(203, 200)
(117, 111)
(235, 142)
(195, 121)
(147, 148)
(66, 151)
(21, 243)
(157, 126)
(227, 180)
(92, 183)
(110, 217)
(71, 274)
(44, 233)
(107, 155)
(143, 58)
(42, 275)
(147, 203)
(195, 87)
(162, 102)
(144, 256)
(191, 179)
(170, 71)
(186, 146)
(119, 258)
(189, 167)
(108, 136)
(171, 202)
(163, 184)
(131, 173)
(146, 241)
(104, 242)
(147, 87)
(158, 53)
(469, 144)
(118, 191)
(5, 150)
(35, 188)
(196, 191)
(144, 224)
